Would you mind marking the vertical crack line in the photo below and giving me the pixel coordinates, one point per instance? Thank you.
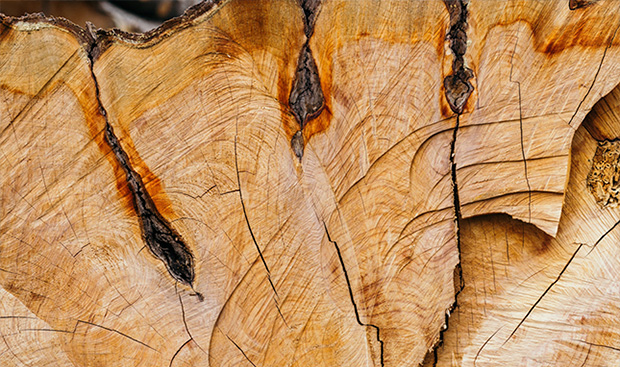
(455, 186)
(458, 270)
(247, 222)
(457, 89)
(527, 179)
(355, 309)
(557, 279)
(595, 76)
(162, 240)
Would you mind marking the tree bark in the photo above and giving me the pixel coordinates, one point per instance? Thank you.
(332, 183)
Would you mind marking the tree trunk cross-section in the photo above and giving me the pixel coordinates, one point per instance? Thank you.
(294, 183)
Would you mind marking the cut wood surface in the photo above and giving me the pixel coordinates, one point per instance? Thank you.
(538, 300)
(283, 183)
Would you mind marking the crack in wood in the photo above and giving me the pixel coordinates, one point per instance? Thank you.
(311, 10)
(114, 331)
(527, 179)
(602, 237)
(161, 239)
(457, 91)
(557, 279)
(241, 350)
(350, 288)
(485, 344)
(179, 351)
(617, 349)
(247, 221)
(595, 76)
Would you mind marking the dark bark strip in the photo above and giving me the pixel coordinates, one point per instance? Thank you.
(457, 86)
(576, 4)
(306, 99)
(163, 241)
(311, 10)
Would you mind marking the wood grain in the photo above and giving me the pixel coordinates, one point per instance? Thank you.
(348, 254)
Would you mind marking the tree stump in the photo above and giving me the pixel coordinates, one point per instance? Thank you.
(313, 183)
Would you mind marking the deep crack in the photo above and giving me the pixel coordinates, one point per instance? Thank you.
(346, 277)
(457, 91)
(161, 239)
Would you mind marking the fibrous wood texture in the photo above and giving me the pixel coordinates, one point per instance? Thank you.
(282, 183)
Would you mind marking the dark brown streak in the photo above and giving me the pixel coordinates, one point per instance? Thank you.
(544, 293)
(163, 241)
(346, 277)
(311, 10)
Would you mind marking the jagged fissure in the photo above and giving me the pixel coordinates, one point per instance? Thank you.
(457, 91)
(350, 288)
(159, 236)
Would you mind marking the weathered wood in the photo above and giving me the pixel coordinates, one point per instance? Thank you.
(538, 300)
(278, 183)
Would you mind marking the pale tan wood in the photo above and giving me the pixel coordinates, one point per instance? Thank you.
(344, 256)
(538, 300)
(538, 72)
(71, 253)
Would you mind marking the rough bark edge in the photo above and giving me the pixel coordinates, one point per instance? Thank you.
(36, 21)
(195, 14)
(98, 40)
